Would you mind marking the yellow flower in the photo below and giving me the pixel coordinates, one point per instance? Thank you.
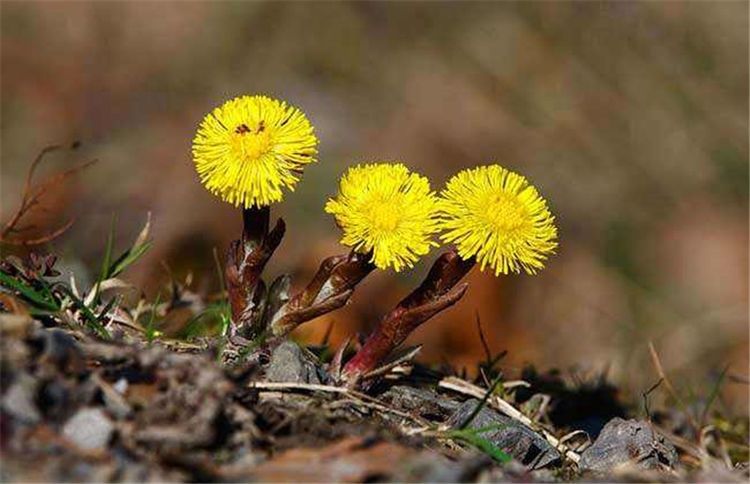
(497, 217)
(251, 147)
(388, 210)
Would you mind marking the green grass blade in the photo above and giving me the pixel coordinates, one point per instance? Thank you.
(216, 311)
(107, 308)
(713, 395)
(481, 404)
(140, 246)
(474, 437)
(29, 293)
(90, 318)
(104, 273)
(128, 258)
(150, 332)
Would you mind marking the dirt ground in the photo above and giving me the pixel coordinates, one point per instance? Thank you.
(77, 408)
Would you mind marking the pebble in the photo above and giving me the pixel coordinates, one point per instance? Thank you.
(289, 363)
(512, 437)
(89, 429)
(632, 442)
(18, 401)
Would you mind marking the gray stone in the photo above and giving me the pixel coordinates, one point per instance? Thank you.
(121, 386)
(18, 401)
(89, 429)
(512, 437)
(423, 401)
(629, 442)
(290, 363)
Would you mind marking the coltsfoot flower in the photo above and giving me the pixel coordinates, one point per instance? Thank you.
(251, 148)
(497, 217)
(386, 209)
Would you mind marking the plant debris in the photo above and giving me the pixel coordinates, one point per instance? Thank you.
(97, 386)
(78, 408)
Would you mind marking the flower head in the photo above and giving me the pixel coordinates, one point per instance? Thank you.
(249, 148)
(386, 209)
(497, 217)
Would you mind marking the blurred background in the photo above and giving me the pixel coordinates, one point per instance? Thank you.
(630, 117)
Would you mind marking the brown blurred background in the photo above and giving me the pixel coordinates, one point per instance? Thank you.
(631, 118)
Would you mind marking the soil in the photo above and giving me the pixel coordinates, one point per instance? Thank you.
(75, 408)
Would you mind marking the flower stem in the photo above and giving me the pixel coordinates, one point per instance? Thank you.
(438, 291)
(246, 259)
(329, 289)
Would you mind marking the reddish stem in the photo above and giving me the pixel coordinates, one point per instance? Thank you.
(437, 292)
(329, 290)
(246, 259)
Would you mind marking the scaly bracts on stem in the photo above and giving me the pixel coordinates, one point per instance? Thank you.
(330, 289)
(246, 259)
(437, 292)
(260, 312)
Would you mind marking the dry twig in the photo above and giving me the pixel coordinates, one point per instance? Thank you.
(360, 398)
(409, 356)
(668, 384)
(31, 198)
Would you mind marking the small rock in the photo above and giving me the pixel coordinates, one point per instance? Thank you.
(89, 429)
(425, 402)
(18, 401)
(121, 386)
(290, 363)
(629, 442)
(512, 437)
